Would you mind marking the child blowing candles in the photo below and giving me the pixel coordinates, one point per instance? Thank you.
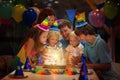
(35, 41)
(73, 49)
(53, 53)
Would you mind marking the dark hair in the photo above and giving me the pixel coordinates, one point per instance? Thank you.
(45, 13)
(34, 34)
(87, 29)
(63, 23)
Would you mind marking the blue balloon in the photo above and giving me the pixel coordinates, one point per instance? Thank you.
(29, 16)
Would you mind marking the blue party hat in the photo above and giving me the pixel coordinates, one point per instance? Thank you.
(55, 26)
(19, 71)
(27, 67)
(40, 61)
(81, 24)
(83, 72)
(82, 59)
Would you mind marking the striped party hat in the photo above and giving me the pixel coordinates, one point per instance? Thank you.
(44, 25)
(81, 24)
(80, 17)
(55, 25)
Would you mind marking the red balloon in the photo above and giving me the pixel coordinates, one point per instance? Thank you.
(97, 18)
(5, 21)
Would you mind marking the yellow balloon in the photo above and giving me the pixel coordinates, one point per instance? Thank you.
(18, 11)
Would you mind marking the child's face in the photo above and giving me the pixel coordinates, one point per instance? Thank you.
(74, 41)
(82, 38)
(51, 20)
(43, 37)
(53, 40)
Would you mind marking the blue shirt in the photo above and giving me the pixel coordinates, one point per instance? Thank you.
(65, 43)
(99, 52)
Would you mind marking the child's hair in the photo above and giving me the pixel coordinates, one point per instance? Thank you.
(72, 34)
(87, 29)
(52, 33)
(45, 13)
(34, 33)
(63, 23)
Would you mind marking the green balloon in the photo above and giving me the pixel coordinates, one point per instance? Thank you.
(22, 2)
(6, 9)
(110, 10)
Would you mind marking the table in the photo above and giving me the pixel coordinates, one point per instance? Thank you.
(33, 76)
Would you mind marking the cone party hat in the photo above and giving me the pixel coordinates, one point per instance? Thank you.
(44, 25)
(27, 67)
(19, 71)
(40, 61)
(83, 70)
(55, 26)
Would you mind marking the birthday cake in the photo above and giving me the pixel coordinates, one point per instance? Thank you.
(55, 58)
(55, 63)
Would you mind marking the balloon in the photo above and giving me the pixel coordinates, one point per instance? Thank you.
(6, 9)
(37, 10)
(110, 10)
(97, 18)
(22, 2)
(5, 21)
(18, 11)
(29, 16)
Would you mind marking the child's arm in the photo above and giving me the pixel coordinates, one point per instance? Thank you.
(29, 47)
(67, 58)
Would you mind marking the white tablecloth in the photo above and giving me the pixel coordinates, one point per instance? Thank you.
(33, 76)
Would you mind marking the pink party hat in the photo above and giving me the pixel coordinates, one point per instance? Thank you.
(44, 25)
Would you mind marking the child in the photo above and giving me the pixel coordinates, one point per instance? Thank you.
(53, 49)
(73, 49)
(33, 44)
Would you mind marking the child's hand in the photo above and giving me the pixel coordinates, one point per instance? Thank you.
(75, 60)
(79, 64)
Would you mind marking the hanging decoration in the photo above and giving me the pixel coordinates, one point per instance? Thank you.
(71, 15)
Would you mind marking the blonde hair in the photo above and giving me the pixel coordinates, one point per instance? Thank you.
(72, 34)
(53, 33)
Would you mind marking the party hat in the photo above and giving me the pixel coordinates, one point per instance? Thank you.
(81, 24)
(83, 72)
(44, 25)
(27, 67)
(40, 61)
(19, 72)
(82, 59)
(80, 17)
(55, 25)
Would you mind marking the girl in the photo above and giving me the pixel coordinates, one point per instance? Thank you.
(53, 49)
(33, 44)
(73, 49)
